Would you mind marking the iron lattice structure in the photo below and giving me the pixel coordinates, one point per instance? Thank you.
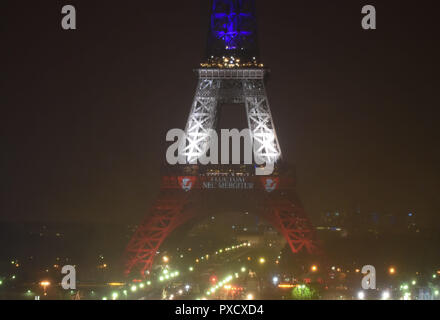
(177, 203)
(232, 86)
(232, 76)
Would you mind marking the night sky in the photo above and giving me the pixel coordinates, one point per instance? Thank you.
(85, 112)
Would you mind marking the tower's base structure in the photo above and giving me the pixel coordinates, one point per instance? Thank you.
(183, 188)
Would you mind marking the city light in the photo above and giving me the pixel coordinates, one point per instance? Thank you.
(386, 295)
(213, 279)
(167, 272)
(404, 287)
(116, 284)
(286, 286)
(165, 259)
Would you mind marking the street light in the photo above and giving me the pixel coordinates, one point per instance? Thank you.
(392, 270)
(262, 261)
(314, 268)
(213, 279)
(44, 284)
(386, 295)
(404, 287)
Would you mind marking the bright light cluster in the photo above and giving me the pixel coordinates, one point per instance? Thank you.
(230, 62)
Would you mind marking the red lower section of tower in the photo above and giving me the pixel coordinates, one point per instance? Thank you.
(173, 208)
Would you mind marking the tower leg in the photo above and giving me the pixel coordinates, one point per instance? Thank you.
(168, 212)
(290, 220)
(201, 120)
(261, 125)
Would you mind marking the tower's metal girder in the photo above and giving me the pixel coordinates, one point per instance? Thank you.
(217, 87)
(175, 206)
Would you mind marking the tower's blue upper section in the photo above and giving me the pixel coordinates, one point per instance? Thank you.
(233, 30)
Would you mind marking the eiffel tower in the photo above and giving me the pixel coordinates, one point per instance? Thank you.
(230, 74)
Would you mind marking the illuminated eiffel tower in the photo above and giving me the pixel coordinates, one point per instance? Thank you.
(231, 74)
